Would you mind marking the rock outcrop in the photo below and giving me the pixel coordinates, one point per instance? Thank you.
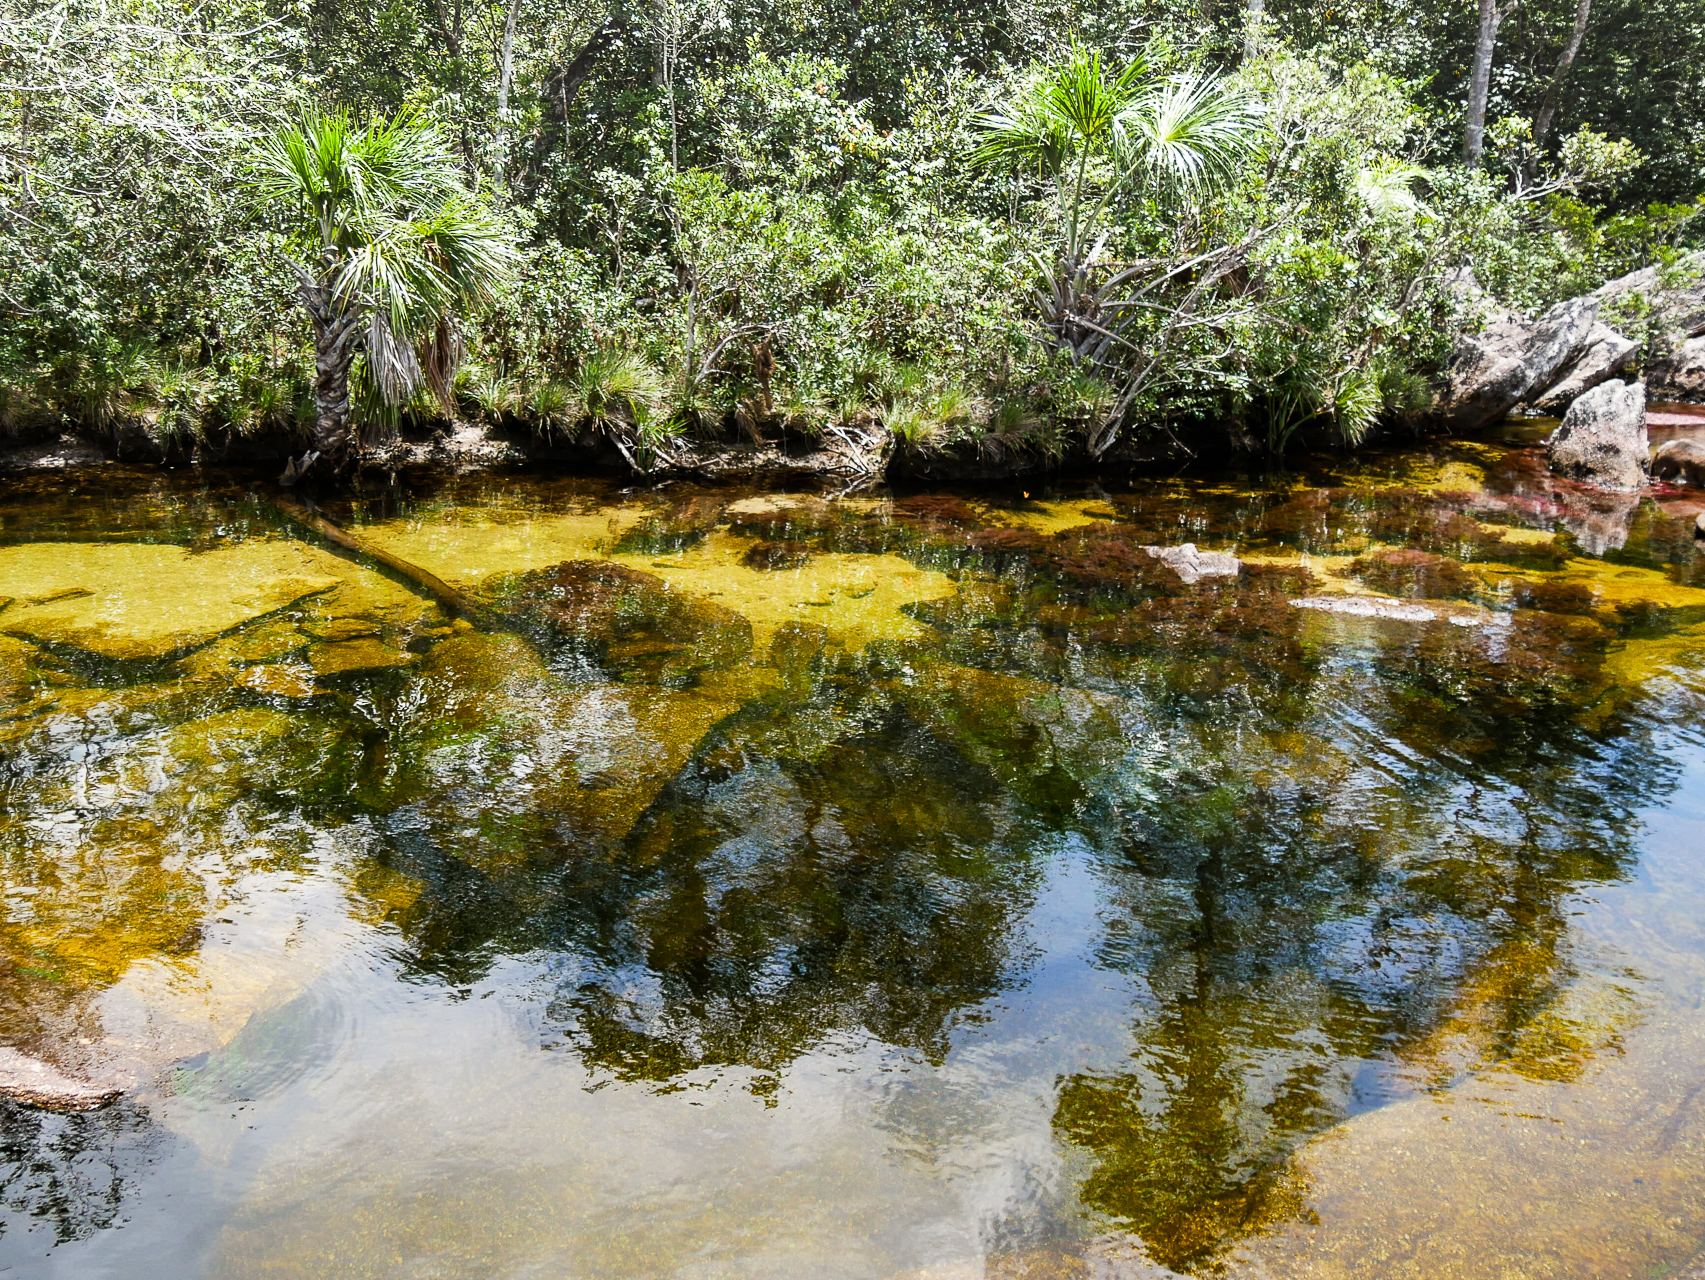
(1511, 360)
(1607, 354)
(1602, 440)
(41, 1084)
(1548, 363)
(1680, 375)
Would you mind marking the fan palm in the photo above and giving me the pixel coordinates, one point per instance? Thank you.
(1181, 133)
(1173, 137)
(387, 245)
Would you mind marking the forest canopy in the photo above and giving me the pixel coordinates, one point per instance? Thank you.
(1033, 226)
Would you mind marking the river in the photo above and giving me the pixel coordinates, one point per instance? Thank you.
(875, 884)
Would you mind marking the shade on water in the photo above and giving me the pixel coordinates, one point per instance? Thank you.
(876, 885)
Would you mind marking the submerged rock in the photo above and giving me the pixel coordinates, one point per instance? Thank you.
(41, 1084)
(357, 657)
(147, 602)
(1414, 573)
(1192, 565)
(1602, 439)
(630, 622)
(1397, 610)
(1368, 607)
(777, 555)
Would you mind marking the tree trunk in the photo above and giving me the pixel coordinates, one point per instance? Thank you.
(505, 75)
(1547, 114)
(1254, 14)
(336, 338)
(1480, 82)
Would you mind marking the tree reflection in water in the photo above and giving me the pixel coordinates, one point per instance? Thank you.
(1327, 851)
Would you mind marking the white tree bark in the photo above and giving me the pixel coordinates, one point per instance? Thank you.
(1492, 16)
(1254, 14)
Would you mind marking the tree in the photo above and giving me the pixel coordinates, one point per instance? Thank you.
(1168, 138)
(386, 245)
(1492, 15)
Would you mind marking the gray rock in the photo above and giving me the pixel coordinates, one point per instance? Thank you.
(1461, 615)
(1607, 354)
(1674, 296)
(1682, 461)
(1512, 360)
(41, 1084)
(1680, 375)
(1192, 565)
(1602, 439)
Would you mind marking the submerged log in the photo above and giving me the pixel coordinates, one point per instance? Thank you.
(352, 546)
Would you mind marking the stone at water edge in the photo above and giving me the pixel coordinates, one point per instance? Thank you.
(1608, 353)
(1602, 439)
(1192, 565)
(1682, 461)
(1511, 358)
(1699, 525)
(41, 1084)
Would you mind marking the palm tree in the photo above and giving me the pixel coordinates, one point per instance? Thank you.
(1173, 137)
(386, 245)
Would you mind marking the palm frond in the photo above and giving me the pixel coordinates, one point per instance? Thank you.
(1388, 189)
(1190, 133)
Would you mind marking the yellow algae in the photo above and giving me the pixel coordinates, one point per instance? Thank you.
(1519, 534)
(1054, 517)
(350, 657)
(142, 601)
(470, 551)
(382, 895)
(582, 758)
(278, 681)
(770, 503)
(857, 596)
(84, 899)
(1633, 662)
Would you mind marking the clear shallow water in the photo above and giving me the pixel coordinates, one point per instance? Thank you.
(870, 886)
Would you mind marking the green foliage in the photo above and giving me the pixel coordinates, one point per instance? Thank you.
(1017, 227)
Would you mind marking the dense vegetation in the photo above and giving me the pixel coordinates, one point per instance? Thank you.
(1025, 228)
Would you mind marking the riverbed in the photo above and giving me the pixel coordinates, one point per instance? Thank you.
(865, 883)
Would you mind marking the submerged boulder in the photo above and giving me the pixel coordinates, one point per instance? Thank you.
(1414, 573)
(1192, 565)
(1602, 440)
(628, 622)
(41, 1084)
(1682, 461)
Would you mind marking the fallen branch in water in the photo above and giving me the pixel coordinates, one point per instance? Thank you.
(454, 602)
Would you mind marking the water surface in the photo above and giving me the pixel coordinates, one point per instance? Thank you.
(873, 884)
